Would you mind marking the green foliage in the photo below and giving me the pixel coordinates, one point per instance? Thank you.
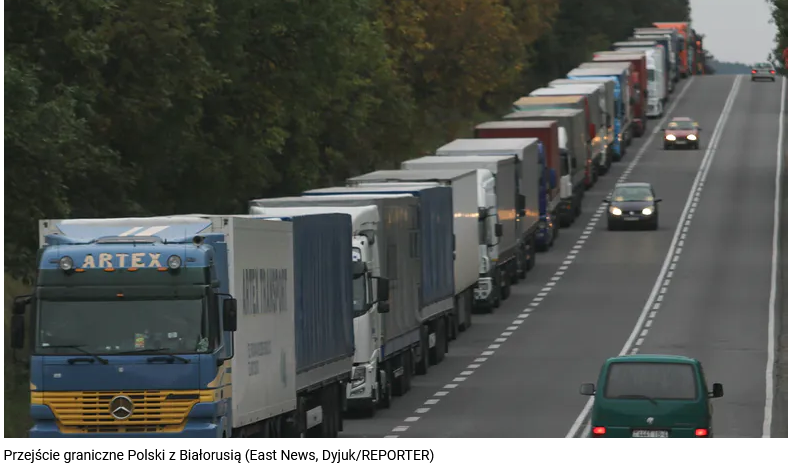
(780, 11)
(121, 107)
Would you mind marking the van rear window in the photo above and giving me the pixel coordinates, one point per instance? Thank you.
(667, 381)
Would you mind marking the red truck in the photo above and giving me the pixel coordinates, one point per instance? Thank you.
(578, 102)
(638, 77)
(683, 30)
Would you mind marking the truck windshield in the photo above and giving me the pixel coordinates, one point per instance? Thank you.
(124, 326)
(359, 295)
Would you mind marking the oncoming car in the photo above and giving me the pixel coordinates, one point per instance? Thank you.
(632, 203)
(763, 71)
(681, 132)
(651, 396)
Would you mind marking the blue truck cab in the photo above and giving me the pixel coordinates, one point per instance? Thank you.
(619, 78)
(130, 327)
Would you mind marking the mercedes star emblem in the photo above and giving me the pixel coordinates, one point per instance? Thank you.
(650, 420)
(121, 407)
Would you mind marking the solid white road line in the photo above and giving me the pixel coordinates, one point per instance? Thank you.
(768, 372)
(653, 296)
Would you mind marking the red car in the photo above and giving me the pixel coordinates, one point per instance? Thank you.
(681, 132)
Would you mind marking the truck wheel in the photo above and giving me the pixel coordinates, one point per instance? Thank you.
(468, 304)
(423, 363)
(439, 349)
(385, 398)
(504, 286)
(402, 384)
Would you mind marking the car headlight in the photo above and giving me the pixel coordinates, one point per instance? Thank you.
(616, 211)
(671, 137)
(647, 211)
(691, 137)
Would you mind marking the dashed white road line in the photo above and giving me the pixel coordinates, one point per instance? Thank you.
(590, 227)
(641, 330)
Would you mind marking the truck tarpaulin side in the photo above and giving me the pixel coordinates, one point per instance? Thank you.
(398, 213)
(545, 131)
(324, 313)
(642, 44)
(622, 71)
(639, 77)
(504, 168)
(685, 45)
(435, 242)
(463, 183)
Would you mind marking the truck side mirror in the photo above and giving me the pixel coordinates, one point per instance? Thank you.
(383, 307)
(573, 163)
(521, 203)
(717, 390)
(482, 213)
(552, 178)
(499, 229)
(382, 289)
(17, 331)
(230, 314)
(587, 389)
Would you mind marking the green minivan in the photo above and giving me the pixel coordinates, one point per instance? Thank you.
(651, 396)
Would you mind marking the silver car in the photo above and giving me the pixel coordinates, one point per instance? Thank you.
(763, 71)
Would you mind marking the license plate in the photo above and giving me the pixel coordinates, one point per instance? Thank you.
(680, 142)
(650, 433)
(631, 219)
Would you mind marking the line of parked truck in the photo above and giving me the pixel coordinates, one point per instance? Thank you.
(278, 322)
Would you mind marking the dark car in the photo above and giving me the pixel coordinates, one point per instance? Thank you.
(681, 132)
(632, 203)
(763, 71)
(651, 396)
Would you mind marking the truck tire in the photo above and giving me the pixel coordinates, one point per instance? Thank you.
(402, 384)
(385, 398)
(440, 348)
(468, 298)
(423, 364)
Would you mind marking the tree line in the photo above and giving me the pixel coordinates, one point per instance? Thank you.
(780, 10)
(146, 107)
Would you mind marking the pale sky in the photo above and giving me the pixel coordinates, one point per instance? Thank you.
(735, 30)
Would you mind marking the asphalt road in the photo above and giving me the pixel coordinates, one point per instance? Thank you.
(516, 372)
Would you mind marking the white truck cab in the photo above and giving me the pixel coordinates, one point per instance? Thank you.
(366, 377)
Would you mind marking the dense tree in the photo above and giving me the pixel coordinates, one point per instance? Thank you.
(135, 107)
(780, 10)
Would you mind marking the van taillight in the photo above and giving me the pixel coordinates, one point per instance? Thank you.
(598, 431)
(702, 432)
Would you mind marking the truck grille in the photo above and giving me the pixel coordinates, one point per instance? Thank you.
(89, 412)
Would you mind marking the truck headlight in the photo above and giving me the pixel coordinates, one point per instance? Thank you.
(174, 262)
(66, 263)
(671, 137)
(616, 211)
